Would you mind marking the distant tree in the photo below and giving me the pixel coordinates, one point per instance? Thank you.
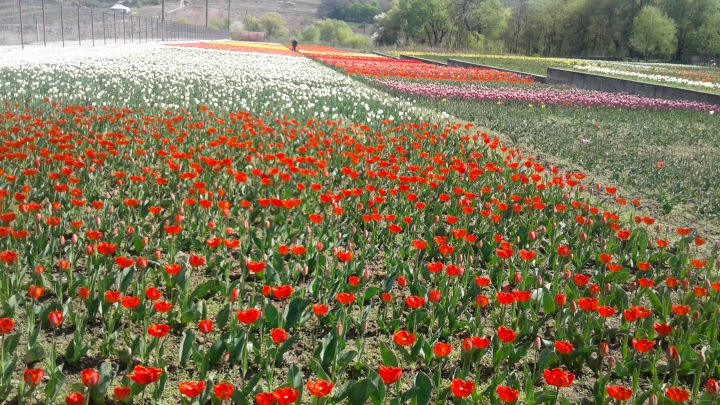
(273, 25)
(329, 28)
(310, 34)
(708, 38)
(653, 33)
(221, 24)
(252, 24)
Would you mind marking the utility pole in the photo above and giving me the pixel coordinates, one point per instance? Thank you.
(206, 13)
(162, 11)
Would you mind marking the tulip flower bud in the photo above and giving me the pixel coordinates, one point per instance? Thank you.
(539, 281)
(181, 210)
(73, 239)
(89, 249)
(246, 225)
(437, 219)
(685, 284)
(246, 260)
(211, 225)
(573, 307)
(39, 270)
(608, 288)
(363, 327)
(351, 246)
(412, 229)
(141, 263)
(38, 217)
(129, 231)
(537, 344)
(532, 235)
(517, 278)
(178, 218)
(328, 272)
(560, 300)
(305, 270)
(62, 241)
(461, 257)
(506, 288)
(605, 220)
(267, 224)
(711, 388)
(677, 361)
(115, 232)
(234, 295)
(696, 316)
(366, 234)
(265, 256)
(157, 254)
(603, 350)
(633, 286)
(583, 237)
(145, 240)
(670, 353)
(225, 213)
(566, 196)
(480, 244)
(567, 274)
(717, 264)
(338, 329)
(611, 362)
(366, 274)
(401, 282)
(112, 209)
(542, 230)
(701, 357)
(24, 208)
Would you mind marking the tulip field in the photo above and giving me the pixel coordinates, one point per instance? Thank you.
(235, 223)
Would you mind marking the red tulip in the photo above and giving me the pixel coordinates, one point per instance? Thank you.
(320, 309)
(145, 376)
(285, 396)
(89, 377)
(442, 349)
(278, 335)
(33, 376)
(462, 388)
(223, 391)
(643, 345)
(196, 261)
(158, 330)
(414, 301)
(122, 393)
(677, 395)
(345, 298)
(390, 374)
(56, 318)
(507, 394)
(558, 377)
(319, 388)
(265, 398)
(152, 293)
(282, 292)
(248, 316)
(563, 347)
(205, 326)
(76, 398)
(711, 388)
(619, 393)
(507, 335)
(404, 338)
(192, 389)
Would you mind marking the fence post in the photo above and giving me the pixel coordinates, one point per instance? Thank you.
(44, 31)
(62, 25)
(104, 30)
(22, 35)
(92, 27)
(115, 26)
(124, 39)
(79, 35)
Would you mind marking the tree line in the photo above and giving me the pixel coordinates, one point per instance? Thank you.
(662, 29)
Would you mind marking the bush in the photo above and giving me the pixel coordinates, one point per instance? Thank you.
(273, 25)
(358, 41)
(252, 24)
(310, 34)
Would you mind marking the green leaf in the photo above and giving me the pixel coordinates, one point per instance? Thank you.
(100, 389)
(317, 369)
(424, 388)
(11, 343)
(294, 311)
(186, 346)
(217, 349)
(371, 292)
(53, 387)
(283, 349)
(202, 289)
(33, 355)
(388, 356)
(360, 392)
(223, 316)
(190, 316)
(250, 385)
(546, 360)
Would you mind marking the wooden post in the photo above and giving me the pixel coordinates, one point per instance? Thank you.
(79, 35)
(62, 25)
(44, 31)
(92, 26)
(22, 35)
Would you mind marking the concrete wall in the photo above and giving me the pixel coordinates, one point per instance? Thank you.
(461, 63)
(432, 62)
(614, 85)
(385, 55)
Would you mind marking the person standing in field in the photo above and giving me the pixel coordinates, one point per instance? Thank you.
(294, 44)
